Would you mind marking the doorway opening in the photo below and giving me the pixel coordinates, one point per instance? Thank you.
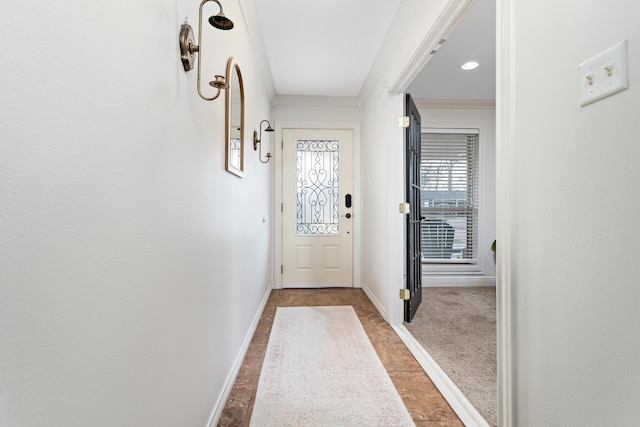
(318, 215)
(317, 208)
(458, 281)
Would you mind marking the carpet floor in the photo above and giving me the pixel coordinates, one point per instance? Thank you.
(457, 327)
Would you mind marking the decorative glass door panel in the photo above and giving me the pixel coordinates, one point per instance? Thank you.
(317, 187)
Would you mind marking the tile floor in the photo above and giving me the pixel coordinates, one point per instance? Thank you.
(425, 404)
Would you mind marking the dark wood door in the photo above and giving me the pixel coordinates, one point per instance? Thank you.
(414, 253)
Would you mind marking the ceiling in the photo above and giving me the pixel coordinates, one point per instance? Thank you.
(473, 39)
(322, 47)
(326, 47)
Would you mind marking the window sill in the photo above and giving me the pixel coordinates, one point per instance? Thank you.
(429, 268)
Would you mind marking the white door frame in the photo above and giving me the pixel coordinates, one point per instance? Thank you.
(505, 207)
(357, 196)
(505, 177)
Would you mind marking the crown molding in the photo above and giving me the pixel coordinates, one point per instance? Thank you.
(471, 104)
(319, 101)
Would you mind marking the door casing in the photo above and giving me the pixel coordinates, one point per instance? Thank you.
(278, 196)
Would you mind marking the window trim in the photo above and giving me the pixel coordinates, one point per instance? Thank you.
(464, 267)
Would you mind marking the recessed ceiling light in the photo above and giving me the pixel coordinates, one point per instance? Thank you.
(471, 65)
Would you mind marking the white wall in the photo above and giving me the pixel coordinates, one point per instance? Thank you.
(132, 264)
(468, 114)
(383, 190)
(575, 215)
(317, 109)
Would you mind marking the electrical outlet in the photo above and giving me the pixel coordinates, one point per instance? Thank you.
(604, 75)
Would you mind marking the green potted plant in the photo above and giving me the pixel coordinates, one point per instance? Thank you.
(493, 248)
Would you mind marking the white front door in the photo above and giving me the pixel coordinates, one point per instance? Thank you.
(317, 208)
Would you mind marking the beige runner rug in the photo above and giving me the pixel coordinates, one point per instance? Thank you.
(320, 369)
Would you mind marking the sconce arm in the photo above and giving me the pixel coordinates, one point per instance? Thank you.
(189, 48)
(206, 98)
(258, 141)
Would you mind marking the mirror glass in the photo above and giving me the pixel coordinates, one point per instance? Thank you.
(234, 119)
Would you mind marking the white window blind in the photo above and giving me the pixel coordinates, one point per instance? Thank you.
(449, 195)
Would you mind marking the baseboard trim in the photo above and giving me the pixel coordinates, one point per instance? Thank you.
(231, 379)
(375, 302)
(317, 286)
(469, 415)
(432, 281)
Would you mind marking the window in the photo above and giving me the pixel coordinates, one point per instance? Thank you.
(449, 195)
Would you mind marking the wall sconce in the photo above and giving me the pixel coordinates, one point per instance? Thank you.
(189, 48)
(257, 141)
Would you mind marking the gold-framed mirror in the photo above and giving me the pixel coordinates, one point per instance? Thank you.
(234, 118)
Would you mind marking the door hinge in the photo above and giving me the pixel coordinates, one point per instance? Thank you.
(282, 269)
(281, 144)
(281, 207)
(405, 294)
(404, 122)
(404, 208)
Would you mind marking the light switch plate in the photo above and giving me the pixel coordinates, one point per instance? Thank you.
(603, 75)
